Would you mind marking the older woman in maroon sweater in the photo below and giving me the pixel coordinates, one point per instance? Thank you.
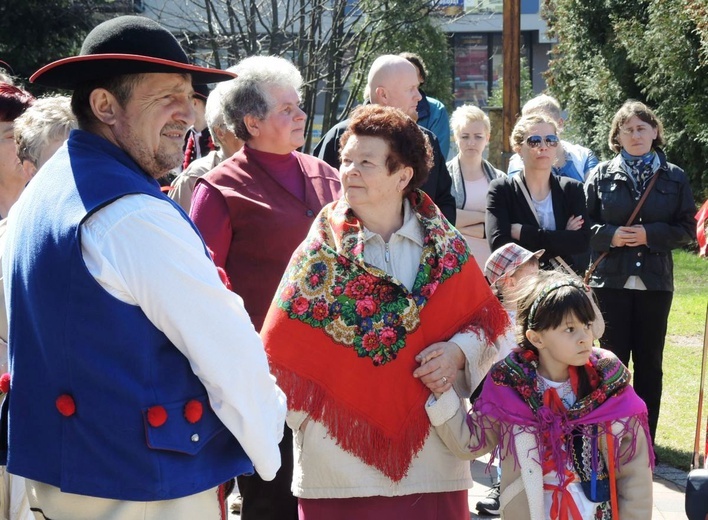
(254, 209)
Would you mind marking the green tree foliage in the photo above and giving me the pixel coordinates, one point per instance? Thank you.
(36, 32)
(653, 50)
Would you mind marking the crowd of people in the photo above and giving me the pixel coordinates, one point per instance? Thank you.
(191, 299)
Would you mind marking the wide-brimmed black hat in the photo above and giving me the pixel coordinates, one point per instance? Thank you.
(125, 45)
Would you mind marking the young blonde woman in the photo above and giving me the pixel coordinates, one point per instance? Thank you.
(471, 175)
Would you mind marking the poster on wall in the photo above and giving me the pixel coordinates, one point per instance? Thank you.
(450, 8)
(471, 69)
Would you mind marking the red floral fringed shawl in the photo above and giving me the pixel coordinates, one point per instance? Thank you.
(342, 336)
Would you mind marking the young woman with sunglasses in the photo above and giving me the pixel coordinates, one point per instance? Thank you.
(536, 209)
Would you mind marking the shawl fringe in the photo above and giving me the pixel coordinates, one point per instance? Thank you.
(490, 321)
(391, 456)
(507, 432)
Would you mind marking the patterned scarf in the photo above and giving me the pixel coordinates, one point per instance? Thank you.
(641, 167)
(342, 335)
(513, 382)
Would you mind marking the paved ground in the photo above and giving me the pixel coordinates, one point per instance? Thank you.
(669, 486)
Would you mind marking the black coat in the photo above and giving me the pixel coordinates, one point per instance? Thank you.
(506, 205)
(667, 217)
(437, 186)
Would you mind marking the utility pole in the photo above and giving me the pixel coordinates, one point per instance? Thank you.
(511, 42)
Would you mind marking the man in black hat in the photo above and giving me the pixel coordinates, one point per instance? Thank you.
(198, 142)
(138, 384)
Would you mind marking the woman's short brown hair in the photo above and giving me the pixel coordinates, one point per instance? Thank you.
(630, 109)
(408, 145)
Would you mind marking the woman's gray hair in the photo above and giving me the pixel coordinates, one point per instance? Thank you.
(48, 119)
(213, 111)
(545, 104)
(248, 93)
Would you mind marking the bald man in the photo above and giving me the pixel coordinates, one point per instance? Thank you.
(393, 81)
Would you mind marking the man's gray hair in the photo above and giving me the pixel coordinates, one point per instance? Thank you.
(248, 93)
(48, 119)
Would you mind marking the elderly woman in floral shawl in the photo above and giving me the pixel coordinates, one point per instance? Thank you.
(381, 284)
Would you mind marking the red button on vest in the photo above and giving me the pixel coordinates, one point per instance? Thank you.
(193, 411)
(5, 383)
(65, 405)
(157, 416)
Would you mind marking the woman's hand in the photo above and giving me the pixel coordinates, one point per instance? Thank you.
(637, 235)
(574, 223)
(631, 236)
(439, 364)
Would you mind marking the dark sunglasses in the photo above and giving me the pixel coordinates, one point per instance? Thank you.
(534, 141)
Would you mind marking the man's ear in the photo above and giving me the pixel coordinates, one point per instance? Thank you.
(104, 106)
(381, 96)
(252, 125)
(535, 338)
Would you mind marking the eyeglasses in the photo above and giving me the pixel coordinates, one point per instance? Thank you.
(534, 141)
(641, 130)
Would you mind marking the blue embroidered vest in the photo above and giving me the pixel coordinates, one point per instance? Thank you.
(88, 369)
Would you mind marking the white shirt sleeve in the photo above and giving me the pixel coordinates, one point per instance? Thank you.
(143, 252)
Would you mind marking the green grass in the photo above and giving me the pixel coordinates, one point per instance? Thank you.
(682, 361)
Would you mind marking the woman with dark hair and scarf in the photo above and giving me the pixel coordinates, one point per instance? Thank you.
(13, 102)
(634, 282)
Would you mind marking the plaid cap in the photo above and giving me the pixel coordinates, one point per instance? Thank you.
(505, 260)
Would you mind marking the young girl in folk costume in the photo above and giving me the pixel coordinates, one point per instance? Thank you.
(571, 434)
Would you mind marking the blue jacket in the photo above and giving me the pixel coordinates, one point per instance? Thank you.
(86, 368)
(432, 115)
